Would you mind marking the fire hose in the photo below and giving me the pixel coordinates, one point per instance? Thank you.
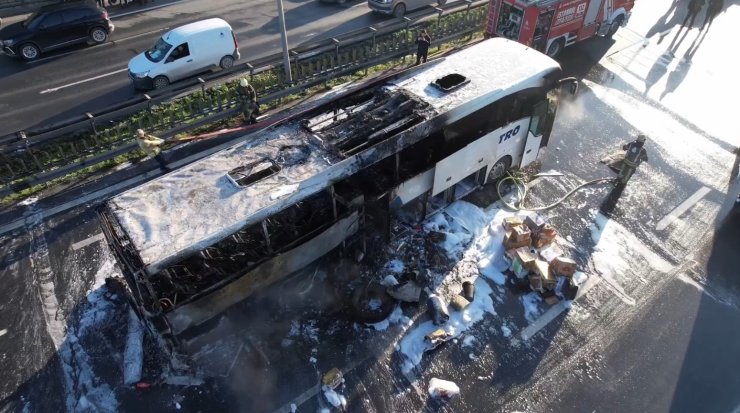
(522, 191)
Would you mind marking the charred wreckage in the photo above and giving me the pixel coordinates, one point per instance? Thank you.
(196, 241)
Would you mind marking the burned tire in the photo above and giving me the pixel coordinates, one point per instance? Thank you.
(371, 304)
(555, 48)
(160, 82)
(98, 35)
(400, 11)
(227, 62)
(498, 170)
(616, 24)
(29, 51)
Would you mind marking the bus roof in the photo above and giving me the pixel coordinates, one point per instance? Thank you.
(187, 210)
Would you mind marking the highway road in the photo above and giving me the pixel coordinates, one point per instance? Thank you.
(655, 331)
(80, 79)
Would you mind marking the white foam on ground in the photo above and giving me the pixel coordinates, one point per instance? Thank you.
(442, 388)
(85, 391)
(531, 303)
(506, 331)
(334, 398)
(617, 252)
(413, 344)
(396, 266)
(396, 317)
(389, 281)
(468, 341)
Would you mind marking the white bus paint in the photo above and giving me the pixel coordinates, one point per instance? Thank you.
(681, 209)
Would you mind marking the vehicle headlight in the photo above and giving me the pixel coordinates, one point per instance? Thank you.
(141, 75)
(8, 42)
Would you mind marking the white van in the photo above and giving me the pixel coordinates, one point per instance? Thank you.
(185, 51)
(399, 8)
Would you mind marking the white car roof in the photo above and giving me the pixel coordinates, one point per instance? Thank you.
(180, 34)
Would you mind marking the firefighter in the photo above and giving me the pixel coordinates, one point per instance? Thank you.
(423, 41)
(634, 156)
(248, 101)
(150, 144)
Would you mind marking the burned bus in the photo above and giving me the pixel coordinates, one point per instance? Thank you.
(196, 241)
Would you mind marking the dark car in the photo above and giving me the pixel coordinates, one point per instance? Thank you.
(55, 26)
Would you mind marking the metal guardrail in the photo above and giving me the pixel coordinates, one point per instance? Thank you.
(39, 156)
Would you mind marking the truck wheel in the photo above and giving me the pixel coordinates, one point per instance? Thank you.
(29, 51)
(400, 11)
(498, 170)
(614, 27)
(555, 48)
(226, 62)
(98, 35)
(160, 82)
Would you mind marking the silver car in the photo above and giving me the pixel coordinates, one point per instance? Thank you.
(399, 8)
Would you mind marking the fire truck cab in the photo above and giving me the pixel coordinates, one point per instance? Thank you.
(551, 25)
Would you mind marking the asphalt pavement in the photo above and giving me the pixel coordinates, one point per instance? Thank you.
(72, 81)
(653, 332)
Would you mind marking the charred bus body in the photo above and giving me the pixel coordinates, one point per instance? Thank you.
(198, 240)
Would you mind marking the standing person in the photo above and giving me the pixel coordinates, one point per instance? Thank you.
(248, 100)
(634, 156)
(423, 41)
(714, 8)
(695, 7)
(150, 144)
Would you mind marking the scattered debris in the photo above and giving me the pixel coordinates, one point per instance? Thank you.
(437, 309)
(408, 292)
(468, 290)
(333, 378)
(183, 381)
(437, 337)
(443, 389)
(334, 398)
(459, 302)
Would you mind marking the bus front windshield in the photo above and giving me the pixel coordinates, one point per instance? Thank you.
(157, 52)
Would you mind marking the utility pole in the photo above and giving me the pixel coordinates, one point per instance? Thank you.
(284, 38)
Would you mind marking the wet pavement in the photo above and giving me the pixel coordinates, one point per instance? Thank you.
(653, 331)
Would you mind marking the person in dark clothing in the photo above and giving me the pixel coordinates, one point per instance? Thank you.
(695, 7)
(635, 155)
(248, 100)
(714, 8)
(423, 41)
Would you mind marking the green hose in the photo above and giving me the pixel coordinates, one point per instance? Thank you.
(521, 188)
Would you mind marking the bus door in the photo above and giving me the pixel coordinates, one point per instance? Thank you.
(542, 30)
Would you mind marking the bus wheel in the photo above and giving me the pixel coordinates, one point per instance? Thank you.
(614, 27)
(555, 48)
(498, 170)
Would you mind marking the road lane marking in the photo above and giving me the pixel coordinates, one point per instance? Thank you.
(679, 210)
(82, 81)
(84, 243)
(3, 332)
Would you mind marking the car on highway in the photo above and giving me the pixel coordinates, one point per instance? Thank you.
(55, 26)
(183, 52)
(399, 8)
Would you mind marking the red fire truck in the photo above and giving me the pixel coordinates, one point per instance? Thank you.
(551, 25)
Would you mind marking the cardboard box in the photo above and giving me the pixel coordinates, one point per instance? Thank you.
(520, 233)
(511, 222)
(535, 283)
(518, 268)
(459, 302)
(545, 236)
(534, 224)
(333, 378)
(563, 266)
(543, 270)
(512, 244)
(551, 252)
